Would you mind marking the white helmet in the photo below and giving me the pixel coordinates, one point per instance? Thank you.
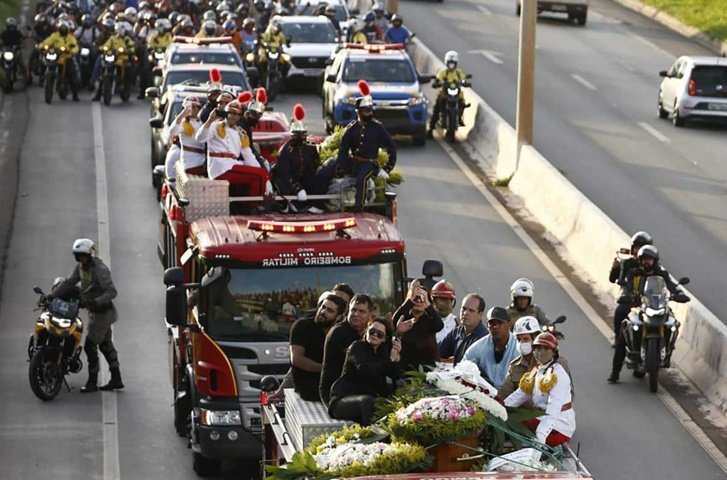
(450, 56)
(526, 324)
(522, 287)
(84, 245)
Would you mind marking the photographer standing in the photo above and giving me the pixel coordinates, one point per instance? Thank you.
(417, 323)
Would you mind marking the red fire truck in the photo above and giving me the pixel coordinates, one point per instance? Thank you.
(236, 284)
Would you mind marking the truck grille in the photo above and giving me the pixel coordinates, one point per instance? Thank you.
(309, 62)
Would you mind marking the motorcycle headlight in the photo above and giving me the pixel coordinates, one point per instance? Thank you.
(220, 417)
(8, 56)
(655, 312)
(121, 50)
(417, 100)
(274, 55)
(158, 55)
(452, 91)
(109, 58)
(51, 57)
(85, 52)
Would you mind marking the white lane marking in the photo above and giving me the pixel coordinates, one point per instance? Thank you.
(484, 10)
(583, 81)
(490, 55)
(681, 415)
(654, 132)
(111, 468)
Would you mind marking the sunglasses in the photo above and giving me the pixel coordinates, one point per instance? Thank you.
(376, 333)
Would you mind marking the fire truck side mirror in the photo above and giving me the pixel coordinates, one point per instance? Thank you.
(432, 268)
(176, 310)
(173, 276)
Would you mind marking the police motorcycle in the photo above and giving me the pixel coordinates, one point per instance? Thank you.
(10, 67)
(87, 59)
(54, 348)
(273, 78)
(650, 331)
(56, 77)
(452, 106)
(114, 78)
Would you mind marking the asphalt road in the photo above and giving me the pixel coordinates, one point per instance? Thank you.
(595, 120)
(624, 431)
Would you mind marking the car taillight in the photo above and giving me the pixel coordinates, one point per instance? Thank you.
(692, 88)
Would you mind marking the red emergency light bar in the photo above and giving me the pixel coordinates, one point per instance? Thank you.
(375, 48)
(301, 227)
(201, 41)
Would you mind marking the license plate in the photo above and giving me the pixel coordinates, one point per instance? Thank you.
(559, 8)
(721, 107)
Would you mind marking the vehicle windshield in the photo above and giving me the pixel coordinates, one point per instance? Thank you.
(200, 77)
(655, 294)
(262, 305)
(372, 70)
(711, 81)
(220, 58)
(310, 32)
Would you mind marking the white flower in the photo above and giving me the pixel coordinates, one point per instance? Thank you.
(453, 384)
(349, 453)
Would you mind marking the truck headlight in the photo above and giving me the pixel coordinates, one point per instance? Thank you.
(417, 100)
(220, 417)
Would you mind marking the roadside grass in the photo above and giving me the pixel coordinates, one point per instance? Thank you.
(709, 16)
(8, 8)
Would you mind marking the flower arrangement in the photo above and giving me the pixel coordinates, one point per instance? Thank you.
(435, 420)
(349, 433)
(467, 383)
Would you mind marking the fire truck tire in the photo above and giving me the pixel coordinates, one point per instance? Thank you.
(205, 467)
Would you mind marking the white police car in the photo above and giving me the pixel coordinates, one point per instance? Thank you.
(395, 87)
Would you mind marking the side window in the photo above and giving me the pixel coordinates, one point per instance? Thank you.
(336, 67)
(674, 69)
(682, 69)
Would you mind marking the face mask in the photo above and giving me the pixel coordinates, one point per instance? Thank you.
(525, 348)
(543, 355)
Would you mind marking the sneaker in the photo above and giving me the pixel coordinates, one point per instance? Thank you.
(315, 210)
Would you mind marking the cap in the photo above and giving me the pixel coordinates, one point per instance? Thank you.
(498, 313)
(546, 339)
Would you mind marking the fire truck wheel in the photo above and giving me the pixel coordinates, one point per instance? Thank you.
(205, 467)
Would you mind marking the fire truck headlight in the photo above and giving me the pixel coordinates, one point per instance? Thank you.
(220, 417)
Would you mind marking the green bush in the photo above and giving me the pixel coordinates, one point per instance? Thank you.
(709, 16)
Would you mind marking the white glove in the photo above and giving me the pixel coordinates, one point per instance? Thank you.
(302, 196)
(383, 174)
(266, 165)
(268, 188)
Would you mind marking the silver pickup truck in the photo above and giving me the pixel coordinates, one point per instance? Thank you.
(575, 9)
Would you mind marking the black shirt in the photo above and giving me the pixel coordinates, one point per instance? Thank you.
(419, 345)
(338, 340)
(11, 38)
(365, 371)
(309, 335)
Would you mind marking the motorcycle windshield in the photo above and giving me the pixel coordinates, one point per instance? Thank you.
(263, 304)
(655, 294)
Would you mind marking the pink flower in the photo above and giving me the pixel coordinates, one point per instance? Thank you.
(417, 416)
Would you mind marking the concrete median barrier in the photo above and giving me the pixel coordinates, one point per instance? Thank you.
(588, 236)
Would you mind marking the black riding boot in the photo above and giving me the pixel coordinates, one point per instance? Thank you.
(115, 383)
(91, 384)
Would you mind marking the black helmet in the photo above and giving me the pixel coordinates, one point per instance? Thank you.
(648, 251)
(87, 20)
(396, 18)
(639, 239)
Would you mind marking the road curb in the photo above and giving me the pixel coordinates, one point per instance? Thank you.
(716, 45)
(586, 237)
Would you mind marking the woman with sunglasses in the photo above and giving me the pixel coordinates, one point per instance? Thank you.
(369, 372)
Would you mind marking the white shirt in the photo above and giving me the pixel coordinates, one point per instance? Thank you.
(223, 139)
(450, 323)
(552, 402)
(187, 131)
(170, 161)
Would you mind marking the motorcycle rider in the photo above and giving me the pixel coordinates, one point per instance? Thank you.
(373, 32)
(63, 38)
(521, 292)
(381, 19)
(444, 299)
(397, 33)
(648, 258)
(451, 73)
(620, 269)
(249, 35)
(120, 39)
(208, 30)
(88, 34)
(162, 35)
(357, 34)
(97, 293)
(272, 38)
(12, 38)
(159, 39)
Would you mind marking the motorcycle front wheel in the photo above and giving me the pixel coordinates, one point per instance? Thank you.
(272, 85)
(108, 90)
(652, 364)
(62, 89)
(125, 92)
(49, 83)
(45, 374)
(452, 123)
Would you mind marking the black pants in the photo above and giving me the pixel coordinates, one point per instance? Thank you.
(357, 408)
(107, 349)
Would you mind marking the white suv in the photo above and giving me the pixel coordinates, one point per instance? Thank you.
(694, 87)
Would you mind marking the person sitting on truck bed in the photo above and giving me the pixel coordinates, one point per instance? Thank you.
(494, 352)
(338, 340)
(369, 371)
(417, 322)
(226, 145)
(307, 338)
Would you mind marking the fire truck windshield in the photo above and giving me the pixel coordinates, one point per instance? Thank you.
(262, 304)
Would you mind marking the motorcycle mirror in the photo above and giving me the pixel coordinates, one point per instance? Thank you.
(469, 75)
(156, 122)
(684, 281)
(156, 71)
(560, 319)
(423, 79)
(37, 290)
(152, 92)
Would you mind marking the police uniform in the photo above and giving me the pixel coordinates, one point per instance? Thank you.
(97, 289)
(295, 169)
(359, 150)
(549, 388)
(444, 77)
(193, 153)
(159, 40)
(532, 311)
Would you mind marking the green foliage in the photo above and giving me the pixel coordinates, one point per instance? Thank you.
(431, 431)
(302, 466)
(415, 388)
(406, 458)
(349, 433)
(709, 16)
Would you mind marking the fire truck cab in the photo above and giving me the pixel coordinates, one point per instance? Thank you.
(235, 286)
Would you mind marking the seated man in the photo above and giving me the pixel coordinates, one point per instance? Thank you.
(453, 347)
(494, 352)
